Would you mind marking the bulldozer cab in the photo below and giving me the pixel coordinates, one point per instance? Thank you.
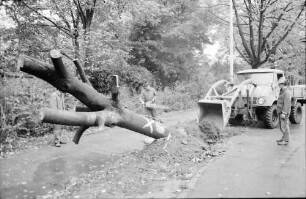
(260, 76)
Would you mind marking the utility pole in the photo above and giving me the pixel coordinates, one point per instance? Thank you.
(231, 43)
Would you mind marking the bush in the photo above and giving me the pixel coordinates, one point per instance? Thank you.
(134, 78)
(186, 94)
(130, 100)
(100, 79)
(8, 140)
(175, 100)
(21, 101)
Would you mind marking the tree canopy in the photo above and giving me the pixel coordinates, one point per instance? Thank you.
(162, 39)
(263, 25)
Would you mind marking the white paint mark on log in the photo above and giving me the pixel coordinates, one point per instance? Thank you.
(149, 124)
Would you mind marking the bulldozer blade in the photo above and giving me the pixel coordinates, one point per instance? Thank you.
(215, 111)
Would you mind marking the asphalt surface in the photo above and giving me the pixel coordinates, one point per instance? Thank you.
(255, 166)
(30, 174)
(39, 172)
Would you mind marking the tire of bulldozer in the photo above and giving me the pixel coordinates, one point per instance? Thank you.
(271, 118)
(296, 114)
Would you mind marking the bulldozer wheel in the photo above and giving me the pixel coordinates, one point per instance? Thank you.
(271, 118)
(296, 114)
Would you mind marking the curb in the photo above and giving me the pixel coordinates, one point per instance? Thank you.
(194, 180)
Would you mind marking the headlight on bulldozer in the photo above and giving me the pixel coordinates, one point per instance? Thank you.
(261, 101)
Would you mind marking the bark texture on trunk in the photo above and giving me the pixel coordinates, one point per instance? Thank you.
(101, 110)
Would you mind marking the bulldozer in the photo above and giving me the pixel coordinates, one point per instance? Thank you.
(252, 98)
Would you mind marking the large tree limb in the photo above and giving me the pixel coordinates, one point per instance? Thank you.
(125, 119)
(79, 68)
(57, 61)
(83, 92)
(82, 74)
(70, 118)
(79, 133)
(241, 53)
(81, 71)
(105, 111)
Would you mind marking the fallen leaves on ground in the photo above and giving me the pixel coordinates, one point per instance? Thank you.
(177, 157)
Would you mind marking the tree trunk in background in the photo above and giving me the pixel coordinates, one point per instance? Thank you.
(76, 47)
(2, 100)
(87, 49)
(86, 14)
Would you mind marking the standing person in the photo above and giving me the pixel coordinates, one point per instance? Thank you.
(147, 96)
(284, 108)
(57, 102)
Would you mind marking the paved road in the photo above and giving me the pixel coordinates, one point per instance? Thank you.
(33, 173)
(255, 166)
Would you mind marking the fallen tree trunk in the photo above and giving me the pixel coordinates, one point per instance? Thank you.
(105, 111)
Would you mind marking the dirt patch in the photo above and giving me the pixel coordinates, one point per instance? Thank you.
(208, 131)
(176, 158)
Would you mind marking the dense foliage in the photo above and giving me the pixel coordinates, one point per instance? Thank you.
(263, 25)
(18, 106)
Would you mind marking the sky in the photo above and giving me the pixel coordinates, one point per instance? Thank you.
(211, 50)
(4, 20)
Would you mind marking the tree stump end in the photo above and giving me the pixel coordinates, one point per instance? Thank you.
(55, 54)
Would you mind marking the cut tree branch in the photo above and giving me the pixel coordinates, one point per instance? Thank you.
(56, 58)
(79, 134)
(83, 92)
(70, 118)
(81, 72)
(105, 111)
